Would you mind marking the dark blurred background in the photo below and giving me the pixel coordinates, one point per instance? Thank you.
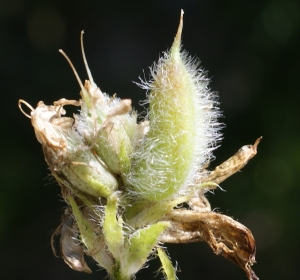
(251, 50)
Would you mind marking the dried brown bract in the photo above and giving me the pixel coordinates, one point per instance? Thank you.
(225, 236)
(233, 164)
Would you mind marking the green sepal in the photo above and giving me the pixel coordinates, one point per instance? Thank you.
(167, 267)
(112, 228)
(86, 232)
(125, 164)
(90, 239)
(139, 246)
(100, 182)
(143, 213)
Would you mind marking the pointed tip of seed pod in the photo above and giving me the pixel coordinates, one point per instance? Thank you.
(177, 39)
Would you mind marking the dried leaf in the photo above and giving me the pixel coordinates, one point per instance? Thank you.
(225, 236)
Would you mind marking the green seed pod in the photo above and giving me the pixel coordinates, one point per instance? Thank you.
(182, 127)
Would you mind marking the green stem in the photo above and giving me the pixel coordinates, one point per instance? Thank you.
(117, 274)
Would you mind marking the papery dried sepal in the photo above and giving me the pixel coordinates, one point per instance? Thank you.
(71, 250)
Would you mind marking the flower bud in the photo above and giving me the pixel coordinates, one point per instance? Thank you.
(107, 127)
(71, 162)
(105, 122)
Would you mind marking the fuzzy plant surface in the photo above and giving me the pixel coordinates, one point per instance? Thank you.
(131, 187)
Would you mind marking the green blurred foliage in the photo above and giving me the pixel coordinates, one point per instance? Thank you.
(251, 50)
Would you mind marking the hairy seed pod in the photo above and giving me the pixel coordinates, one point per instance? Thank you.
(183, 127)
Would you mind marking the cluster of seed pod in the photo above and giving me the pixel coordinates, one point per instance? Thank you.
(121, 178)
